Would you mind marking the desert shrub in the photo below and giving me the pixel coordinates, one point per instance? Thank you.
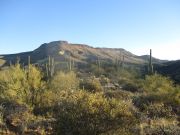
(129, 80)
(19, 119)
(61, 83)
(162, 130)
(120, 131)
(159, 110)
(45, 106)
(142, 101)
(64, 81)
(118, 94)
(174, 96)
(88, 113)
(157, 84)
(162, 89)
(104, 80)
(13, 82)
(91, 85)
(109, 70)
(1, 114)
(158, 91)
(35, 86)
(97, 71)
(130, 87)
(127, 75)
(22, 85)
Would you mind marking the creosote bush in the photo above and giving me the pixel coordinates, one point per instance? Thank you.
(129, 80)
(158, 91)
(91, 85)
(161, 88)
(64, 81)
(87, 113)
(157, 84)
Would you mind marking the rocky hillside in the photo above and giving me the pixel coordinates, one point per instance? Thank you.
(79, 53)
(154, 60)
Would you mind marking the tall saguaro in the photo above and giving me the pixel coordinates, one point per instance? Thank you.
(29, 64)
(150, 63)
(50, 65)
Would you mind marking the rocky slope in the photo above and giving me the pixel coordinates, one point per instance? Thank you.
(80, 53)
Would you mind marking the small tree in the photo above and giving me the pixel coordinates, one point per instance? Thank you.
(24, 86)
(35, 85)
(13, 83)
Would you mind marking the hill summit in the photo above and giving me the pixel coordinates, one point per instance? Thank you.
(80, 53)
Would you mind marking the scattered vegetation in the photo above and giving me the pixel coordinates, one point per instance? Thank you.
(110, 100)
(91, 85)
(86, 113)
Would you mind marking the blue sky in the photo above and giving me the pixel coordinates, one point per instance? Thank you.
(135, 25)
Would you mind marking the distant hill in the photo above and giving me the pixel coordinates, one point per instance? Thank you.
(79, 53)
(154, 60)
(171, 69)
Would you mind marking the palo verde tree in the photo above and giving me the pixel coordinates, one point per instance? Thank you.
(13, 83)
(36, 85)
(22, 85)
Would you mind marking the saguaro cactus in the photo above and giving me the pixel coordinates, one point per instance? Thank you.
(29, 63)
(150, 63)
(122, 61)
(98, 62)
(10, 63)
(73, 64)
(29, 60)
(117, 62)
(70, 63)
(17, 60)
(50, 66)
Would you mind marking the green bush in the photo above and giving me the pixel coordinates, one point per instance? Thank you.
(162, 89)
(129, 80)
(127, 73)
(158, 90)
(118, 94)
(91, 85)
(157, 84)
(82, 113)
(64, 82)
(130, 87)
(22, 85)
(13, 82)
(61, 84)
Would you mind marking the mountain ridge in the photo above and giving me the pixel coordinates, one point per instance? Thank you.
(80, 53)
